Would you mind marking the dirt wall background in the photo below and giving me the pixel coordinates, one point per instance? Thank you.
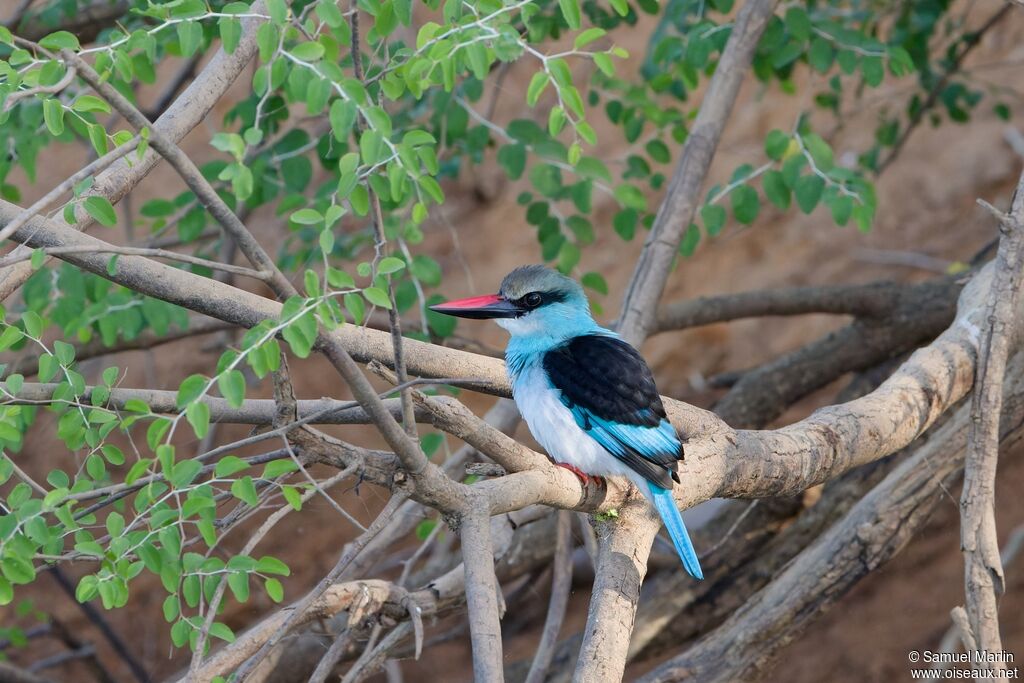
(926, 207)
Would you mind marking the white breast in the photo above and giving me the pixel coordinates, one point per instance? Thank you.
(555, 428)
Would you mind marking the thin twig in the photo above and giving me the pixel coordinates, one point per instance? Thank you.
(66, 186)
(349, 554)
(250, 545)
(57, 87)
(96, 617)
(381, 244)
(190, 173)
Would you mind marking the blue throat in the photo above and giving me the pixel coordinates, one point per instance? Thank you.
(525, 348)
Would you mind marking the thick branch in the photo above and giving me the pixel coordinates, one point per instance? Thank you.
(872, 300)
(983, 570)
(912, 315)
(877, 528)
(481, 592)
(622, 564)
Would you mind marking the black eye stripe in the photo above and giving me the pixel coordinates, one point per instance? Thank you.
(532, 300)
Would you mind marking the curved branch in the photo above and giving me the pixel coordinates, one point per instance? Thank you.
(913, 314)
(877, 528)
(863, 301)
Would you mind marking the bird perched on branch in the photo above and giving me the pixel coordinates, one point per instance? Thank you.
(587, 395)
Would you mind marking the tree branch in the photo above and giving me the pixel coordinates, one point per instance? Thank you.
(877, 528)
(481, 591)
(872, 300)
(983, 570)
(639, 305)
(187, 111)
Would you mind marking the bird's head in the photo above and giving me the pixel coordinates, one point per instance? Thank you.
(533, 300)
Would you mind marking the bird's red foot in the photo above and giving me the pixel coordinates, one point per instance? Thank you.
(583, 476)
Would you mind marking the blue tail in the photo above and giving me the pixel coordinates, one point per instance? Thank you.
(666, 507)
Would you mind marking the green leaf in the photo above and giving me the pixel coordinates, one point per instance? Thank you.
(293, 497)
(230, 33)
(776, 144)
(571, 12)
(713, 217)
(198, 415)
(113, 454)
(820, 152)
(377, 297)
(538, 82)
(190, 389)
(307, 217)
(841, 207)
(659, 151)
(115, 523)
(308, 52)
(624, 223)
(137, 471)
(596, 282)
(98, 138)
(820, 55)
(229, 465)
(18, 570)
(86, 103)
(190, 36)
(798, 23)
(101, 210)
(604, 63)
(10, 336)
(512, 158)
(232, 387)
(65, 352)
(275, 591)
(239, 584)
(776, 190)
(872, 70)
(60, 40)
(245, 491)
(342, 116)
(185, 472)
(33, 324)
(271, 565)
(53, 115)
(745, 204)
(588, 36)
(171, 608)
(808, 191)
(390, 264)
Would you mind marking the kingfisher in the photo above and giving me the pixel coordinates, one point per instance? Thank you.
(587, 396)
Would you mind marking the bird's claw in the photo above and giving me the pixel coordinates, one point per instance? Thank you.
(581, 475)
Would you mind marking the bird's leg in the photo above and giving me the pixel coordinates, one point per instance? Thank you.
(583, 476)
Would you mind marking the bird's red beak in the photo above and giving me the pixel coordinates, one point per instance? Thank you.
(479, 307)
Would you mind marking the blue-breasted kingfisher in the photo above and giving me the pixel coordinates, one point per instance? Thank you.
(587, 396)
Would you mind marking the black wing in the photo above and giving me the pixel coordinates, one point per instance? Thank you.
(611, 393)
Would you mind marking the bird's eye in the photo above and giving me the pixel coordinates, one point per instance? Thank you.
(533, 299)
